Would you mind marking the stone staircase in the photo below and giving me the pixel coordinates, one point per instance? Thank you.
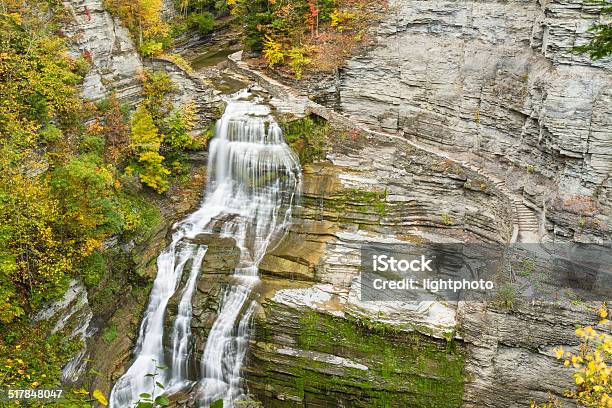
(529, 225)
(525, 222)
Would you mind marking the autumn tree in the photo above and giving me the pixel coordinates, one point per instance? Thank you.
(145, 142)
(115, 129)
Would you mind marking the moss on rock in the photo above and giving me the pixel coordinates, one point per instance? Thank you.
(308, 358)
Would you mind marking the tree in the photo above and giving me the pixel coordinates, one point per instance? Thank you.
(145, 141)
(115, 130)
(179, 124)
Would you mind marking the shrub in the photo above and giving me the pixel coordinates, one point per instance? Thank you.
(179, 124)
(308, 137)
(156, 87)
(110, 334)
(272, 52)
(203, 22)
(50, 133)
(591, 363)
(93, 268)
(151, 48)
(298, 60)
(145, 142)
(93, 144)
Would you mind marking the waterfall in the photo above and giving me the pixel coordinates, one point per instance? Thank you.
(253, 180)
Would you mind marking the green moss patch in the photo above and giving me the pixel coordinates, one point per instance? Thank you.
(405, 369)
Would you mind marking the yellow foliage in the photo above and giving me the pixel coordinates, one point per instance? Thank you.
(143, 18)
(145, 142)
(592, 363)
(179, 61)
(273, 51)
(99, 396)
(338, 18)
(298, 61)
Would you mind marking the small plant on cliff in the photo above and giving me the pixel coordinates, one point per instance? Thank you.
(309, 137)
(446, 219)
(506, 297)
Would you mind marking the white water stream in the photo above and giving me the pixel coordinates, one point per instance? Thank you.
(253, 180)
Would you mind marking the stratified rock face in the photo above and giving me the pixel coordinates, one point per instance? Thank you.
(303, 358)
(496, 78)
(102, 39)
(511, 352)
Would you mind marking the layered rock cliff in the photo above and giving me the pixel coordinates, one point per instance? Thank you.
(497, 79)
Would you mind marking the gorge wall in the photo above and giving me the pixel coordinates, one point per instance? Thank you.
(496, 79)
(311, 336)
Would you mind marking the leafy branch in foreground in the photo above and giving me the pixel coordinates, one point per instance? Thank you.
(593, 365)
(150, 400)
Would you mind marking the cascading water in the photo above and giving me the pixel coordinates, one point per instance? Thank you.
(253, 180)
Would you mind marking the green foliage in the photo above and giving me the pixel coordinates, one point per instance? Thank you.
(179, 124)
(84, 189)
(145, 142)
(93, 268)
(506, 296)
(146, 399)
(308, 137)
(93, 144)
(139, 217)
(50, 134)
(203, 22)
(527, 267)
(600, 45)
(30, 356)
(217, 404)
(110, 334)
(38, 76)
(151, 48)
(156, 87)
